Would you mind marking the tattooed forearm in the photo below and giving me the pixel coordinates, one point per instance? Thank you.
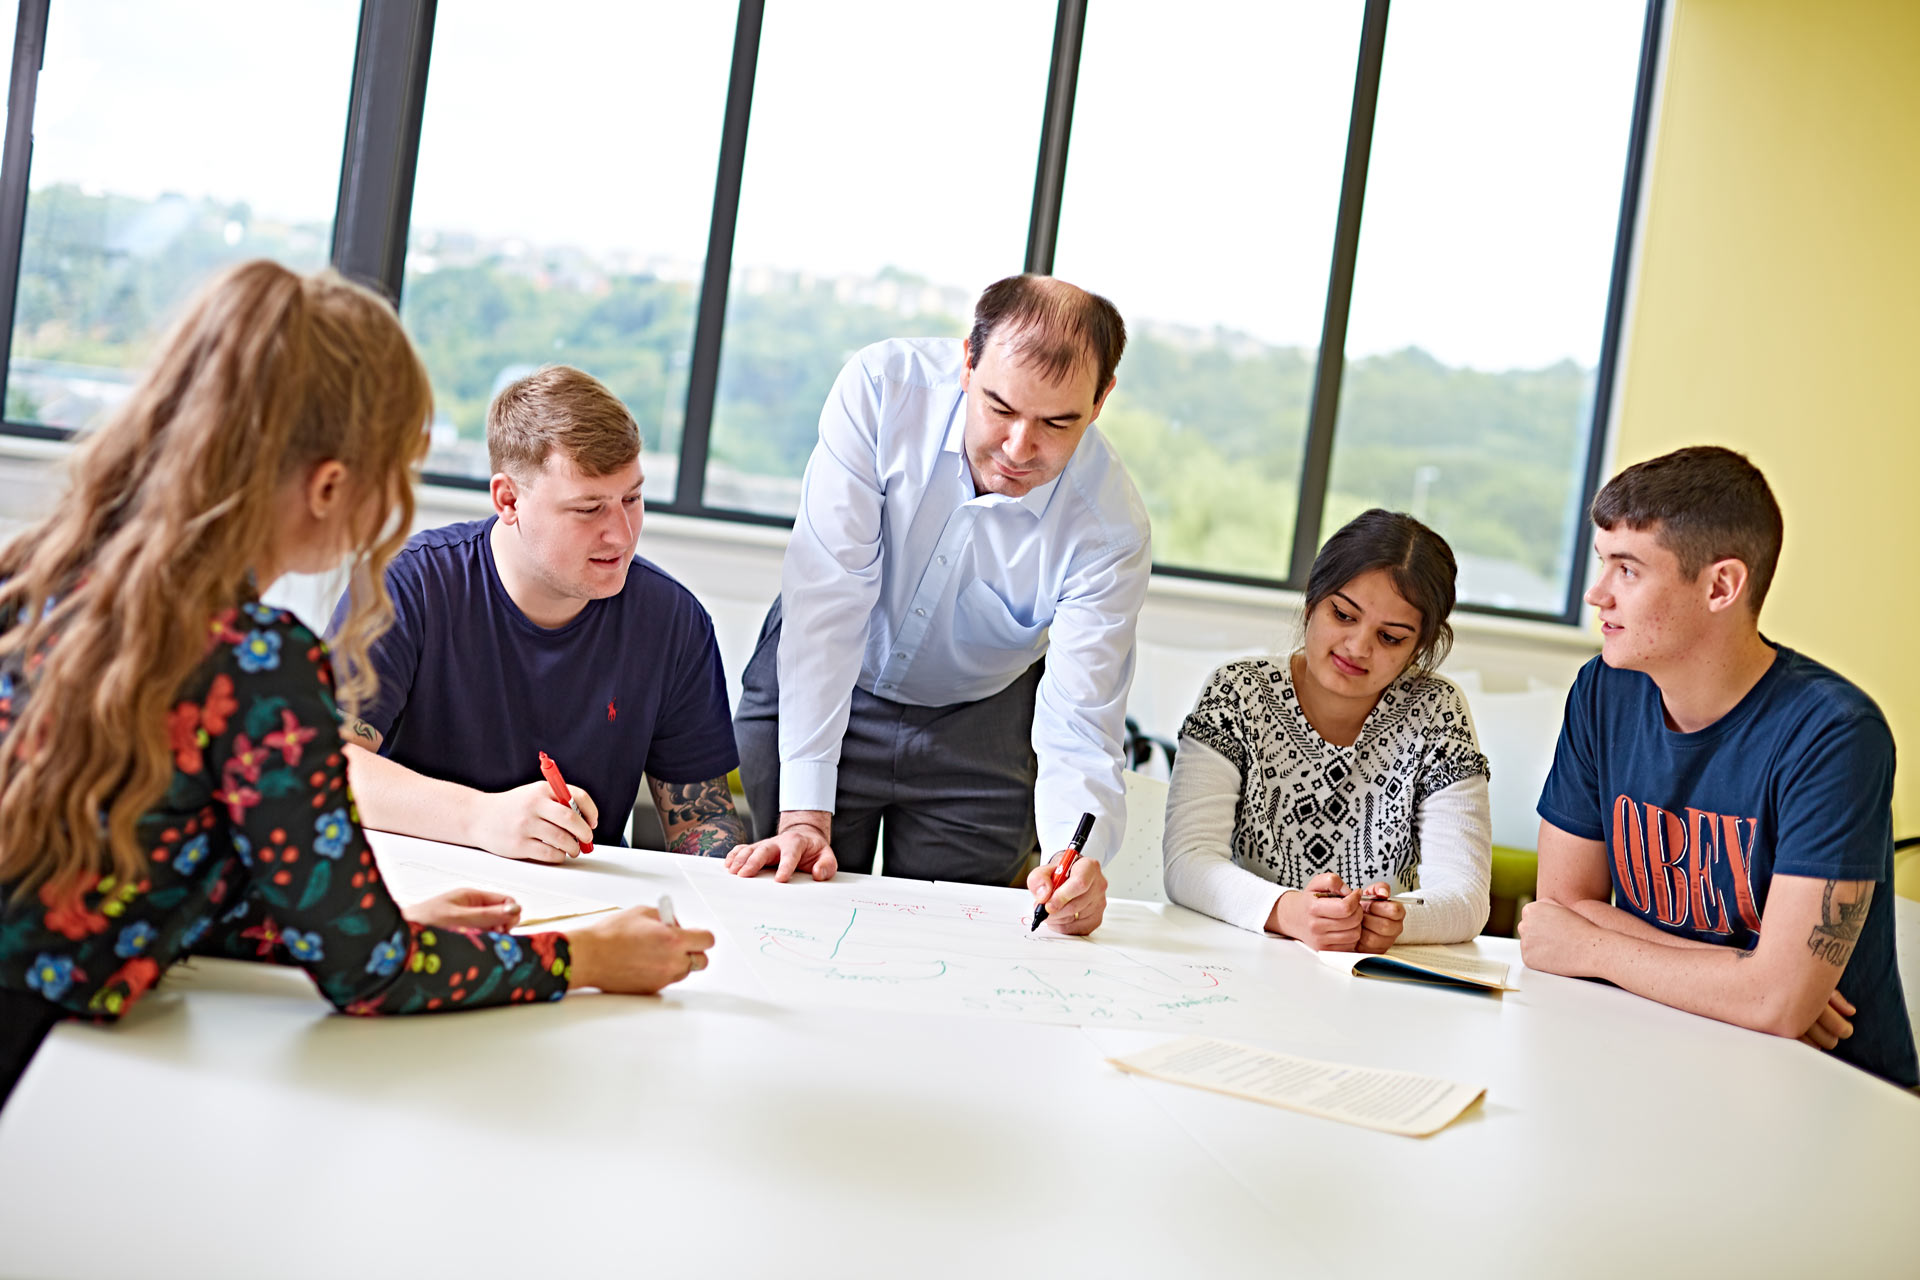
(358, 732)
(698, 817)
(1843, 913)
(710, 839)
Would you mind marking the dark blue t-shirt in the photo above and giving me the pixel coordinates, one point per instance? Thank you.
(471, 691)
(1796, 780)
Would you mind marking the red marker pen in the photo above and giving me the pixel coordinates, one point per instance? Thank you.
(1072, 855)
(551, 772)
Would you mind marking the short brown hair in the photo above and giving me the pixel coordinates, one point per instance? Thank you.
(1704, 504)
(560, 407)
(1052, 325)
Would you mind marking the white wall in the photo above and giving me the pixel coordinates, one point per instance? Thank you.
(1515, 673)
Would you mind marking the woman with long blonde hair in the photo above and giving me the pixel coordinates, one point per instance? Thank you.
(171, 776)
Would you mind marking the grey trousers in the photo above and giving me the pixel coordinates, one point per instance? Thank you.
(953, 784)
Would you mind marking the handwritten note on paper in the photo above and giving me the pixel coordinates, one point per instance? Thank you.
(1457, 964)
(1391, 1101)
(410, 881)
(964, 949)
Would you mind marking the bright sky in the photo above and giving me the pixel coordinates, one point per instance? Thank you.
(1204, 171)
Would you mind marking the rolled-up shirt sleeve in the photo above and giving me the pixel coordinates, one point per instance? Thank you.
(1079, 721)
(828, 588)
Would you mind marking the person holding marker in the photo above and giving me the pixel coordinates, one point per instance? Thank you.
(1348, 764)
(538, 631)
(954, 639)
(172, 781)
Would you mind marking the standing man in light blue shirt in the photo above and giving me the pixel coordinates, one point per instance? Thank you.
(954, 639)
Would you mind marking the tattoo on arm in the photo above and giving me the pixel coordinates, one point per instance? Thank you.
(1843, 913)
(698, 817)
(358, 732)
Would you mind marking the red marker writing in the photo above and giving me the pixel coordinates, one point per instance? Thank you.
(551, 772)
(1067, 859)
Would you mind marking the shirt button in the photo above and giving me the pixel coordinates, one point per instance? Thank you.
(919, 613)
(900, 655)
(941, 559)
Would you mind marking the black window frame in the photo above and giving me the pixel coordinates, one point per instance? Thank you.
(381, 153)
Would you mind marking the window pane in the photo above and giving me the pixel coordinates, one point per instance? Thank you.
(561, 207)
(1481, 287)
(1203, 184)
(12, 30)
(889, 178)
(169, 141)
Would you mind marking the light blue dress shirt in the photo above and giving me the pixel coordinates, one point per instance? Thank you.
(902, 579)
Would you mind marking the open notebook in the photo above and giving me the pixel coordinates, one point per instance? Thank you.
(1449, 966)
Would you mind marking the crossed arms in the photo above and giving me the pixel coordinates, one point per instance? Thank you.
(1785, 986)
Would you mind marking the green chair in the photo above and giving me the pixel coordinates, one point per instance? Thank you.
(1516, 873)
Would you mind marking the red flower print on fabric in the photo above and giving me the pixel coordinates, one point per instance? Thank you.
(266, 934)
(219, 705)
(290, 738)
(67, 912)
(183, 737)
(139, 974)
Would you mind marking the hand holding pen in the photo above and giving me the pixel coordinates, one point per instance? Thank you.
(1329, 916)
(1070, 890)
(563, 794)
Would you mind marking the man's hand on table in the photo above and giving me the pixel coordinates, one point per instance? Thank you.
(1080, 903)
(803, 843)
(1558, 939)
(1833, 1025)
(527, 823)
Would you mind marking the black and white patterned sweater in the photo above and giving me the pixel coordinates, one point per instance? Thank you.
(1261, 803)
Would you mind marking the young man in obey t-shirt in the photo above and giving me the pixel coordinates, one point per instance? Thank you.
(1716, 832)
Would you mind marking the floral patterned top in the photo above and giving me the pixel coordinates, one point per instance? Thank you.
(256, 853)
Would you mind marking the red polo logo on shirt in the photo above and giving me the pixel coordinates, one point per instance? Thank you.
(610, 711)
(1678, 870)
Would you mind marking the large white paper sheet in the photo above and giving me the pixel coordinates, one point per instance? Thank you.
(411, 879)
(944, 948)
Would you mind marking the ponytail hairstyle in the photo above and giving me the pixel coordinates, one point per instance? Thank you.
(1419, 562)
(172, 504)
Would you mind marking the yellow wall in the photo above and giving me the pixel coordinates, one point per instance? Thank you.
(1779, 313)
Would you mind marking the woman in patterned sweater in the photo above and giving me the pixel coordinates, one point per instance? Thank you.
(1308, 789)
(171, 774)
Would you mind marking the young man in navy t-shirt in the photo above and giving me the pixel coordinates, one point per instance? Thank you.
(539, 630)
(1716, 832)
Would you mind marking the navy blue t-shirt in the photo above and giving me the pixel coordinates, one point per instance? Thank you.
(471, 691)
(1796, 780)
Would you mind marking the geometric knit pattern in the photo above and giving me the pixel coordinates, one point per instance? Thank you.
(1307, 806)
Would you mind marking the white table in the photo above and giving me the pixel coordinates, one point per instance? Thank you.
(233, 1126)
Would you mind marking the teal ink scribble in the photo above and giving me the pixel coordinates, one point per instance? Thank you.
(1192, 1001)
(1056, 992)
(843, 934)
